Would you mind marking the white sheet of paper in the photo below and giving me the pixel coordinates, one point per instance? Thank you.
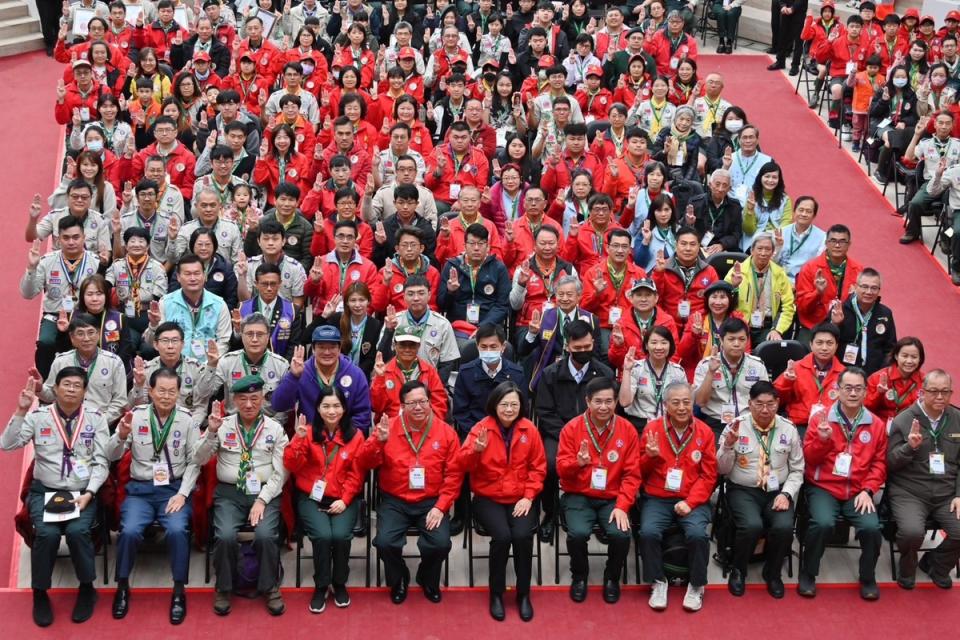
(61, 517)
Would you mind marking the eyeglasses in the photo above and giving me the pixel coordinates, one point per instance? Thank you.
(604, 402)
(79, 196)
(620, 246)
(869, 288)
(940, 393)
(169, 342)
(853, 388)
(476, 243)
(769, 406)
(408, 245)
(839, 242)
(344, 236)
(83, 335)
(255, 334)
(417, 403)
(509, 405)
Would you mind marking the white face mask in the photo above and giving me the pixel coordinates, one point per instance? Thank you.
(900, 83)
(490, 357)
(734, 126)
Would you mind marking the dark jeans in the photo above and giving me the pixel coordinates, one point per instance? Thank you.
(330, 536)
(752, 514)
(657, 515)
(581, 514)
(394, 517)
(505, 530)
(824, 511)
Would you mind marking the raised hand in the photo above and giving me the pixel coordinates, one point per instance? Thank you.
(27, 395)
(737, 276)
(690, 216)
(453, 281)
(523, 271)
(139, 373)
(173, 228)
(791, 372)
(215, 419)
(915, 439)
(574, 229)
(379, 366)
(296, 362)
(824, 430)
(714, 364)
(583, 455)
(301, 427)
(235, 320)
(481, 441)
(445, 226)
(153, 314)
(61, 91)
(629, 361)
(213, 353)
(126, 425)
(616, 335)
(728, 158)
(535, 324)
(316, 270)
(652, 447)
(34, 255)
(382, 430)
(836, 312)
(661, 265)
(733, 432)
(390, 320)
(820, 282)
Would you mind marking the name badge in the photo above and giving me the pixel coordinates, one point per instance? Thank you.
(740, 193)
(842, 465)
(473, 313)
(756, 319)
(82, 471)
(814, 410)
(418, 478)
(850, 354)
(547, 306)
(340, 307)
(851, 67)
(674, 479)
(67, 305)
(129, 309)
(84, 113)
(615, 314)
(455, 190)
(598, 479)
(707, 239)
(727, 413)
(161, 474)
(773, 482)
(937, 464)
(683, 309)
(319, 487)
(253, 483)
(196, 346)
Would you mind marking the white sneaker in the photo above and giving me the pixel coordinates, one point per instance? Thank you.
(658, 597)
(693, 600)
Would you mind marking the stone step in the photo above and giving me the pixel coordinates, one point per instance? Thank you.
(19, 27)
(21, 44)
(10, 10)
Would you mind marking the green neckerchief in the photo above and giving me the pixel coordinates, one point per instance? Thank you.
(159, 435)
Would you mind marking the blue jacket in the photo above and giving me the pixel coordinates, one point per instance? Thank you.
(472, 389)
(492, 291)
(213, 323)
(305, 390)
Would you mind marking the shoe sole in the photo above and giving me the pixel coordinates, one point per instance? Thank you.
(343, 605)
(692, 609)
(312, 609)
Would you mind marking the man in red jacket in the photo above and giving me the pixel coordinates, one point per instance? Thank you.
(520, 236)
(682, 279)
(332, 273)
(162, 33)
(388, 377)
(671, 45)
(81, 94)
(416, 453)
(845, 53)
(825, 281)
(344, 143)
(179, 160)
(266, 55)
(679, 466)
(809, 386)
(607, 285)
(586, 244)
(575, 156)
(598, 463)
(454, 166)
(846, 464)
(482, 135)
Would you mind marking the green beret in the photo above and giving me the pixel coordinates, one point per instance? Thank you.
(248, 384)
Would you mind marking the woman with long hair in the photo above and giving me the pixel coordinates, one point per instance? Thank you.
(768, 206)
(896, 387)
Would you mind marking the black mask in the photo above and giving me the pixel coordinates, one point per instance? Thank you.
(581, 357)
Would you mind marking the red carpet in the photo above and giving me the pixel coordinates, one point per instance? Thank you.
(463, 615)
(29, 152)
(924, 302)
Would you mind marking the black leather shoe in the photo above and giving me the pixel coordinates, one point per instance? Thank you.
(121, 602)
(42, 610)
(398, 593)
(806, 585)
(578, 590)
(525, 606)
(432, 593)
(794, 71)
(178, 607)
(770, 50)
(776, 66)
(775, 587)
(546, 530)
(496, 607)
(456, 526)
(944, 582)
(611, 591)
(869, 590)
(906, 583)
(86, 600)
(735, 583)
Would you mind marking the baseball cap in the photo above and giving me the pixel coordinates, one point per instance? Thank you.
(643, 283)
(326, 333)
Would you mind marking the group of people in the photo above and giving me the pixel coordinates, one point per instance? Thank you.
(470, 248)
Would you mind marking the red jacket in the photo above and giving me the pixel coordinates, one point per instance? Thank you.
(799, 395)
(180, 164)
(323, 201)
(587, 248)
(266, 173)
(600, 303)
(268, 59)
(522, 245)
(365, 136)
(813, 307)
(633, 337)
(693, 348)
(672, 289)
(619, 454)
(618, 187)
(450, 246)
(323, 243)
(814, 31)
(394, 293)
(698, 461)
(604, 39)
(63, 113)
(420, 140)
(442, 61)
(249, 90)
(626, 92)
(868, 468)
(307, 462)
(385, 390)
(158, 38)
(900, 46)
(321, 72)
(302, 128)
(665, 55)
(119, 46)
(905, 390)
(438, 457)
(537, 293)
(483, 137)
(360, 269)
(597, 106)
(495, 475)
(364, 61)
(558, 177)
(359, 159)
(839, 52)
(474, 172)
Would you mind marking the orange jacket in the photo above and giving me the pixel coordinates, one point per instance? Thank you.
(307, 462)
(698, 461)
(500, 477)
(801, 394)
(619, 454)
(540, 290)
(385, 390)
(438, 457)
(863, 90)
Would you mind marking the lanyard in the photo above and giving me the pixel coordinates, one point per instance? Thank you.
(794, 245)
(159, 435)
(745, 172)
(356, 337)
(406, 432)
(597, 239)
(770, 435)
(838, 273)
(681, 445)
(595, 439)
(344, 266)
(849, 428)
(862, 322)
(323, 385)
(330, 455)
(616, 279)
(657, 382)
(90, 368)
(935, 433)
(73, 275)
(757, 276)
(249, 437)
(70, 442)
(730, 380)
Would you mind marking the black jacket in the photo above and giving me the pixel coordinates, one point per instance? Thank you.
(385, 251)
(181, 54)
(560, 399)
(881, 336)
(474, 386)
(727, 226)
(492, 291)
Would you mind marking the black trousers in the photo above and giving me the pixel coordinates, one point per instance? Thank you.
(49, 12)
(394, 517)
(505, 530)
(775, 18)
(788, 42)
(753, 513)
(551, 484)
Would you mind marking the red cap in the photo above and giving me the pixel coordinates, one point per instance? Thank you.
(928, 19)
(247, 55)
(491, 63)
(594, 71)
(912, 12)
(953, 15)
(546, 62)
(828, 4)
(407, 52)
(201, 55)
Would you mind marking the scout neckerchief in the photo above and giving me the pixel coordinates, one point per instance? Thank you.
(69, 430)
(765, 447)
(136, 268)
(356, 337)
(713, 331)
(412, 373)
(330, 453)
(326, 385)
(248, 437)
(416, 271)
(667, 238)
(863, 320)
(673, 434)
(159, 435)
(409, 437)
(456, 112)
(941, 147)
(418, 326)
(730, 379)
(900, 399)
(644, 325)
(712, 108)
(617, 142)
(617, 277)
(73, 271)
(656, 125)
(547, 275)
(838, 272)
(658, 381)
(250, 367)
(607, 429)
(90, 367)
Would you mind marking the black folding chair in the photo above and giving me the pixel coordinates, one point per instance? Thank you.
(776, 353)
(722, 262)
(723, 532)
(598, 532)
